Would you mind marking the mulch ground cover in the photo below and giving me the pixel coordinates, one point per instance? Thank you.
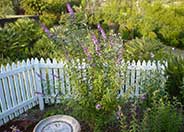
(28, 120)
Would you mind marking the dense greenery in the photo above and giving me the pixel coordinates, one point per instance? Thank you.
(24, 39)
(102, 36)
(151, 111)
(136, 19)
(144, 49)
(49, 11)
(175, 75)
(6, 8)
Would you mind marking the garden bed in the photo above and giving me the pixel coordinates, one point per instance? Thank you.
(28, 120)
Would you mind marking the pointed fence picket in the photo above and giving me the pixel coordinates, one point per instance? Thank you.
(31, 82)
(61, 77)
(44, 80)
(56, 81)
(16, 91)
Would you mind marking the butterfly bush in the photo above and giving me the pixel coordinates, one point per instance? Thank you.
(95, 78)
(93, 71)
(102, 31)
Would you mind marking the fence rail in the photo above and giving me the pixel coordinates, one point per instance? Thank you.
(33, 82)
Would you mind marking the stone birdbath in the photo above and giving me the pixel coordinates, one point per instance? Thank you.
(58, 123)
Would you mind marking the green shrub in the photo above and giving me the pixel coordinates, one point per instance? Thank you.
(144, 49)
(71, 36)
(151, 111)
(94, 97)
(6, 8)
(174, 72)
(18, 38)
(119, 16)
(34, 7)
(50, 11)
(24, 39)
(162, 117)
(158, 20)
(45, 48)
(164, 22)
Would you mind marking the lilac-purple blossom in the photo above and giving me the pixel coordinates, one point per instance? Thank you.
(46, 30)
(38, 93)
(98, 106)
(96, 43)
(101, 31)
(86, 51)
(97, 48)
(94, 39)
(70, 10)
(143, 97)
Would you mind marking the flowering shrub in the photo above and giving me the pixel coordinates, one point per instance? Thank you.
(96, 83)
(95, 78)
(144, 49)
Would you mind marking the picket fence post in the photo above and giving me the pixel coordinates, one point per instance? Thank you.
(38, 84)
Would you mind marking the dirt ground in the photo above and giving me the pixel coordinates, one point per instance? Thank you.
(25, 122)
(28, 120)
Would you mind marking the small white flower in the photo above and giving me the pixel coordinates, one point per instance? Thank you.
(152, 55)
(173, 48)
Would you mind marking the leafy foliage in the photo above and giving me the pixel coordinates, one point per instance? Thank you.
(144, 49)
(163, 116)
(158, 22)
(95, 82)
(136, 19)
(20, 40)
(175, 75)
(50, 11)
(6, 8)
(152, 110)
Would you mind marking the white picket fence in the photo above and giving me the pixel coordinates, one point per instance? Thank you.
(33, 82)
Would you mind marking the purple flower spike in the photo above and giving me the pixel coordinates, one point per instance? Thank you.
(70, 10)
(98, 106)
(89, 57)
(46, 30)
(94, 39)
(87, 53)
(86, 50)
(97, 47)
(102, 31)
